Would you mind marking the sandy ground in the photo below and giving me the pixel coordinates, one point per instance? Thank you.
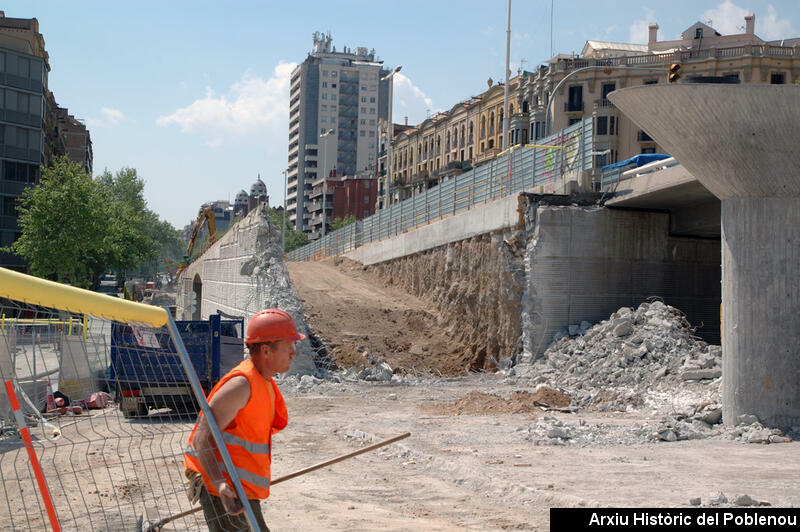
(478, 472)
(364, 321)
(474, 471)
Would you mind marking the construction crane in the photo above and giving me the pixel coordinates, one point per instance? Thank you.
(204, 217)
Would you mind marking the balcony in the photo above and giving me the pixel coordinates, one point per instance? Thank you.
(573, 107)
(603, 103)
(419, 177)
(641, 136)
(491, 153)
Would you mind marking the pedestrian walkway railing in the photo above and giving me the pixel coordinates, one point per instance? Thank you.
(524, 167)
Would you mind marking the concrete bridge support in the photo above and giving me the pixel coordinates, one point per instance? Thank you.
(740, 141)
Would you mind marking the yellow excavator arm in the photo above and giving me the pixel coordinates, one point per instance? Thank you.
(204, 217)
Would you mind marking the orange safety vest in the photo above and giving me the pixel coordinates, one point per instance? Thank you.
(249, 435)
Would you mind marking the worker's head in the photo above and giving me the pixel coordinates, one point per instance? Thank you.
(270, 339)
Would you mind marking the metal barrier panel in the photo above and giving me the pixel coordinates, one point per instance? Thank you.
(103, 405)
(512, 172)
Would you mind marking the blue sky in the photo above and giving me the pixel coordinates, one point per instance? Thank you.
(194, 94)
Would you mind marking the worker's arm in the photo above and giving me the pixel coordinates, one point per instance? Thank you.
(225, 404)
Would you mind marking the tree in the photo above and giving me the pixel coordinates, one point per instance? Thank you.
(338, 223)
(294, 238)
(64, 224)
(130, 241)
(74, 228)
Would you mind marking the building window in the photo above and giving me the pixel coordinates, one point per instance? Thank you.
(324, 73)
(698, 34)
(371, 133)
(366, 200)
(574, 121)
(364, 110)
(363, 87)
(361, 133)
(601, 125)
(333, 97)
(324, 84)
(607, 89)
(366, 184)
(649, 149)
(333, 85)
(363, 122)
(777, 78)
(363, 99)
(372, 110)
(651, 82)
(372, 99)
(324, 107)
(324, 95)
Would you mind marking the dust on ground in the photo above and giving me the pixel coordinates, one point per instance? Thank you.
(362, 321)
(518, 402)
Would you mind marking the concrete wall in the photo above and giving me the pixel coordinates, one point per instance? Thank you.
(498, 215)
(241, 274)
(585, 263)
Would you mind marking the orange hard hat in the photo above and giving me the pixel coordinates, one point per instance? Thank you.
(271, 325)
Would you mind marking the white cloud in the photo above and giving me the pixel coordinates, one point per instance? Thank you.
(728, 18)
(251, 104)
(109, 117)
(772, 28)
(638, 30)
(403, 83)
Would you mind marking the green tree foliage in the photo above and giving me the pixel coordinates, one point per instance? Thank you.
(294, 238)
(338, 223)
(74, 227)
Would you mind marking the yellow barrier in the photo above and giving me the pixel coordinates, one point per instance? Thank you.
(21, 287)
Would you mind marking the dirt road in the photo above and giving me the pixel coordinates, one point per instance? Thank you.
(363, 321)
(480, 472)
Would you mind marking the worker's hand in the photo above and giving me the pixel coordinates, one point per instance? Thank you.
(230, 501)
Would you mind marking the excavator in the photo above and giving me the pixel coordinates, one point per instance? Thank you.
(204, 217)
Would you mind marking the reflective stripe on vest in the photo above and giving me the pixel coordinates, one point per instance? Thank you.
(252, 478)
(252, 448)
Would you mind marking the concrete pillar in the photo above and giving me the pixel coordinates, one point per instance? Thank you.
(739, 141)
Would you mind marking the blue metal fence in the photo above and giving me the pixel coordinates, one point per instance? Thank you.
(518, 169)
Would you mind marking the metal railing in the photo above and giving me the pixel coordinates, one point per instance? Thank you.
(515, 170)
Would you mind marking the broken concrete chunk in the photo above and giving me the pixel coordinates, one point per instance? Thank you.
(712, 417)
(624, 328)
(695, 501)
(744, 500)
(701, 374)
(746, 419)
(716, 498)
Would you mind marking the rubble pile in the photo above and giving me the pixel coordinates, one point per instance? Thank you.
(612, 365)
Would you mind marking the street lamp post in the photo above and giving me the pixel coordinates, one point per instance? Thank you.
(390, 78)
(505, 90)
(285, 206)
(324, 138)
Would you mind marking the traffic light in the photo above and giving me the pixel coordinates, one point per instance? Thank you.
(674, 72)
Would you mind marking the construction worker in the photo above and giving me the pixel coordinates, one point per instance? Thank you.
(248, 409)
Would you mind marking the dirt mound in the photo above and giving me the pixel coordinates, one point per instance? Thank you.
(479, 403)
(361, 322)
(551, 397)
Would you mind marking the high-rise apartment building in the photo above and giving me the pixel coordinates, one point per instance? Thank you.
(336, 101)
(32, 132)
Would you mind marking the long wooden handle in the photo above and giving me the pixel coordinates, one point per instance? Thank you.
(157, 526)
(332, 461)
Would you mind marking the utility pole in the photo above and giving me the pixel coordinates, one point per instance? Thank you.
(505, 91)
(324, 139)
(390, 77)
(285, 206)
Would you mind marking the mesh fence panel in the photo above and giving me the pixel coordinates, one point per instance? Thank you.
(107, 409)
